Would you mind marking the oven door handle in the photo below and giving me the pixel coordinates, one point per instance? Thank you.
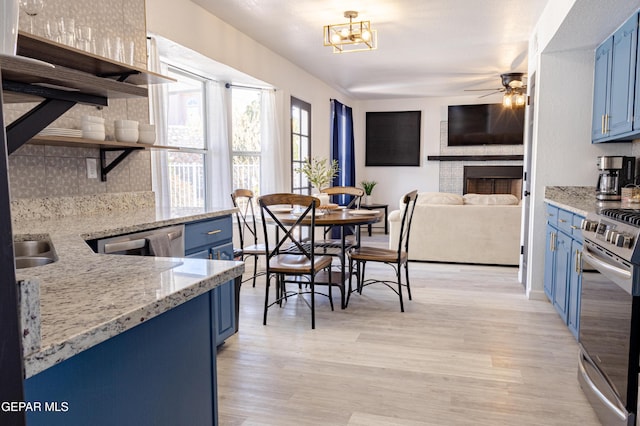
(598, 263)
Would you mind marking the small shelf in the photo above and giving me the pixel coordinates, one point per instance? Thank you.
(91, 143)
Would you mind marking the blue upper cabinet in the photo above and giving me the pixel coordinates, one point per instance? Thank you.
(614, 97)
(600, 89)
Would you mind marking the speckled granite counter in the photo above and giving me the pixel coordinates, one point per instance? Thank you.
(576, 199)
(87, 298)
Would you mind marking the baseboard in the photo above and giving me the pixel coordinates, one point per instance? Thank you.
(536, 295)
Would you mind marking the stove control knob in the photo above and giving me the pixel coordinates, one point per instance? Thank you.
(611, 236)
(624, 241)
(589, 225)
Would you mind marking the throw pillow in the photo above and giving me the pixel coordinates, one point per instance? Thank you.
(440, 198)
(490, 199)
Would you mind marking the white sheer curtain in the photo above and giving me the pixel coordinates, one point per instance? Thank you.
(158, 115)
(218, 159)
(274, 165)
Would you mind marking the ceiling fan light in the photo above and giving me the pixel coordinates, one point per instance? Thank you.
(507, 100)
(520, 99)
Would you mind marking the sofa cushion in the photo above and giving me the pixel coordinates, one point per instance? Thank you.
(443, 198)
(490, 199)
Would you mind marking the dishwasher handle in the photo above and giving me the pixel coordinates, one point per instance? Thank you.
(110, 248)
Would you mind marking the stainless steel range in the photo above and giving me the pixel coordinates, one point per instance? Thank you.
(610, 314)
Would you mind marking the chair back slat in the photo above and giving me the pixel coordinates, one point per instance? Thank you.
(245, 216)
(349, 195)
(288, 235)
(409, 204)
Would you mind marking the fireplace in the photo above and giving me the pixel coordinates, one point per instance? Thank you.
(492, 180)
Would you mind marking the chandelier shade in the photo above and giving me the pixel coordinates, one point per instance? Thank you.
(351, 36)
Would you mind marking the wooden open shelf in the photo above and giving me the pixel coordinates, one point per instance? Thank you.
(91, 143)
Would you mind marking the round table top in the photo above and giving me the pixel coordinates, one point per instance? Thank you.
(336, 217)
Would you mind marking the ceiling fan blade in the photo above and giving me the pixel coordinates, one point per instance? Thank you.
(492, 93)
(483, 90)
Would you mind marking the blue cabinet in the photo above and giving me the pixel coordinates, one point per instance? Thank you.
(161, 372)
(615, 85)
(562, 269)
(213, 239)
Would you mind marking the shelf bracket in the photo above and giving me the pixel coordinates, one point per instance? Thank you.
(56, 103)
(106, 168)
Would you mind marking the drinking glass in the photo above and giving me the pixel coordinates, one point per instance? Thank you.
(31, 8)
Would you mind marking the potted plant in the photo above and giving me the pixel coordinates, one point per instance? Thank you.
(368, 186)
(319, 172)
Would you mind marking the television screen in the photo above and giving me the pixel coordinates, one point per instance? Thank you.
(393, 138)
(485, 124)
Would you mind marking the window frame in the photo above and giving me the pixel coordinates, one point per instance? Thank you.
(297, 163)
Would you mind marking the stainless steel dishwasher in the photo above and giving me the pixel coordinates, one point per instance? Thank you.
(161, 242)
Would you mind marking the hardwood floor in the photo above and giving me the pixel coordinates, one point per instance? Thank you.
(469, 350)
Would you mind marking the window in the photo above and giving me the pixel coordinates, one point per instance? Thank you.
(245, 134)
(187, 130)
(300, 144)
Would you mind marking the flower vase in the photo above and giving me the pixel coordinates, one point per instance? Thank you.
(368, 200)
(9, 12)
(324, 198)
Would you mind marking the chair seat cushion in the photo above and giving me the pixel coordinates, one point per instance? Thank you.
(377, 254)
(296, 264)
(255, 249)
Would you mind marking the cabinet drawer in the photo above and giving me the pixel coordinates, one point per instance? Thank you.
(576, 231)
(552, 215)
(565, 220)
(208, 233)
(222, 252)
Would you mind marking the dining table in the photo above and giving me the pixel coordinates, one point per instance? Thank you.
(343, 219)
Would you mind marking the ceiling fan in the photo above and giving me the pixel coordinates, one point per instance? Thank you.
(514, 89)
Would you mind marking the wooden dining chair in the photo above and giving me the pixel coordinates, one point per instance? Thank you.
(339, 195)
(249, 247)
(395, 258)
(290, 251)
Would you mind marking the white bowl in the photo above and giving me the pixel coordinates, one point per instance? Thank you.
(127, 135)
(126, 124)
(98, 136)
(92, 119)
(144, 127)
(92, 127)
(146, 137)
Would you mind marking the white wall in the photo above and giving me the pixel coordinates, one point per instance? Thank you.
(187, 24)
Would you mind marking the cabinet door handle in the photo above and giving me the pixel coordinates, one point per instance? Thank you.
(217, 231)
(562, 220)
(575, 227)
(606, 123)
(552, 242)
(578, 260)
(602, 125)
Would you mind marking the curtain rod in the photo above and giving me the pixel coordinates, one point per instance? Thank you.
(229, 85)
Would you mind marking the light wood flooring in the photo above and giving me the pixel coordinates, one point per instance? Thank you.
(470, 349)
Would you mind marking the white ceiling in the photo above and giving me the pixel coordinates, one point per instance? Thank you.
(425, 47)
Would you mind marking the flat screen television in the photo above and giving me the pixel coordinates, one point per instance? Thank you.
(393, 138)
(485, 124)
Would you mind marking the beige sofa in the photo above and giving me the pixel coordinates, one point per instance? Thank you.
(473, 228)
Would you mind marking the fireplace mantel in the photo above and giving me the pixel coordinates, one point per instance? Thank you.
(475, 157)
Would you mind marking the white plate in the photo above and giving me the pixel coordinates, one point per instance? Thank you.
(363, 212)
(26, 59)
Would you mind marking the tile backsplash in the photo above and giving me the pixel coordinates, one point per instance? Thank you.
(37, 171)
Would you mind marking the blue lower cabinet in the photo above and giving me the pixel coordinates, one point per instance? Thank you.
(161, 372)
(212, 239)
(563, 265)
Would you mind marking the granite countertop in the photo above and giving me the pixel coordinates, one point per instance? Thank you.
(577, 199)
(86, 298)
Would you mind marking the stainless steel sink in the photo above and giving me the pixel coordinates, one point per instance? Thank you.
(33, 253)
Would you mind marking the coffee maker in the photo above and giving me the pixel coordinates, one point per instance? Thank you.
(615, 174)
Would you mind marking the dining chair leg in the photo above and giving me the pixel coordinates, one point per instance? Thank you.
(406, 271)
(255, 269)
(361, 267)
(350, 289)
(313, 305)
(399, 277)
(330, 292)
(266, 299)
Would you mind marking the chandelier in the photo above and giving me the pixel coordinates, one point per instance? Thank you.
(351, 36)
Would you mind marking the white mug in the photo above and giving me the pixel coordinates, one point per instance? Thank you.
(9, 12)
